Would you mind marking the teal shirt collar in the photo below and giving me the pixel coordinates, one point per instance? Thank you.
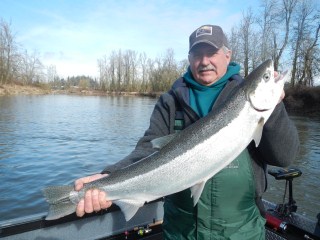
(203, 97)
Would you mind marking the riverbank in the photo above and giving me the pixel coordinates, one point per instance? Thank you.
(89, 92)
(297, 100)
(302, 100)
(15, 89)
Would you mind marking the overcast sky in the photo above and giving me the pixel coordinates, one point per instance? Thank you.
(74, 34)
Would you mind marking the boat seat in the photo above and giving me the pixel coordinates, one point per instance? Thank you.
(289, 174)
(285, 174)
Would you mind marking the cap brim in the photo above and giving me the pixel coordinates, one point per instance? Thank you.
(203, 41)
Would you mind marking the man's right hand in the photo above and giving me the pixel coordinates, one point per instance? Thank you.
(94, 200)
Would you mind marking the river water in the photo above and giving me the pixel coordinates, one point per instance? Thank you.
(55, 139)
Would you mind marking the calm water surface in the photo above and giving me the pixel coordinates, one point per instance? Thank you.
(55, 139)
(306, 191)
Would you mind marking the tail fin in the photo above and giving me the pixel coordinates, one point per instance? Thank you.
(60, 204)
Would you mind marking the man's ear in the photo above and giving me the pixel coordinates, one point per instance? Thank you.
(229, 55)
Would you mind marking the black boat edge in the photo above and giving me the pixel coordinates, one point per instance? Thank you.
(146, 224)
(109, 224)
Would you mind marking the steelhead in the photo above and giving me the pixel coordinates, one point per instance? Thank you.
(189, 158)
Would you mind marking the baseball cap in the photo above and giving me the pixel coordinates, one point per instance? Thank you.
(210, 34)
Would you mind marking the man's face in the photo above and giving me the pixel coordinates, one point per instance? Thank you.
(208, 64)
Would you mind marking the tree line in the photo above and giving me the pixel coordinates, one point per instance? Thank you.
(285, 30)
(129, 71)
(16, 65)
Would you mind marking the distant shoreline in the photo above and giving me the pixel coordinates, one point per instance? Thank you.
(14, 89)
(298, 100)
(303, 100)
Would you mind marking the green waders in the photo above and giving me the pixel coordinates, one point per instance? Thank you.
(225, 210)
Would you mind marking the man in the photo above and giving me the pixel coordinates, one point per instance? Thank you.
(230, 206)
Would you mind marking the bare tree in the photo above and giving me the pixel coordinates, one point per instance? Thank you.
(307, 76)
(143, 60)
(182, 66)
(127, 81)
(134, 71)
(246, 33)
(130, 69)
(169, 71)
(302, 43)
(287, 10)
(119, 70)
(30, 68)
(234, 45)
(8, 53)
(163, 71)
(267, 26)
(103, 73)
(52, 77)
(112, 70)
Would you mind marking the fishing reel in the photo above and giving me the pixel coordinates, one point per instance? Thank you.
(285, 209)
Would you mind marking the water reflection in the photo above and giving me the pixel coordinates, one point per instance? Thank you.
(50, 140)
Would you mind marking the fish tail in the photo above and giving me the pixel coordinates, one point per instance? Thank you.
(59, 201)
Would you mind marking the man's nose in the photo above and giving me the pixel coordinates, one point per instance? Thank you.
(205, 59)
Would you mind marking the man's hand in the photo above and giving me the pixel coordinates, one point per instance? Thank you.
(94, 200)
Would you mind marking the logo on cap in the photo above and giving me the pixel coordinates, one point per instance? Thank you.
(204, 30)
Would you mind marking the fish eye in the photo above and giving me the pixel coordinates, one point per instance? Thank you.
(266, 77)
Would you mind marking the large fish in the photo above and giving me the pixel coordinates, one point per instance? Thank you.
(191, 157)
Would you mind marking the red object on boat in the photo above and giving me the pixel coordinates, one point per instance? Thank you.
(276, 223)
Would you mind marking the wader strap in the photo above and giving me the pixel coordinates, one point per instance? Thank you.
(179, 123)
(184, 114)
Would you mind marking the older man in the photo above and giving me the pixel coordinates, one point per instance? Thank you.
(230, 206)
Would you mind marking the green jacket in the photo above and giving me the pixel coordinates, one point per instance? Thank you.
(225, 210)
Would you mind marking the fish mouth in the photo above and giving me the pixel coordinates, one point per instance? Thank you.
(260, 110)
(281, 76)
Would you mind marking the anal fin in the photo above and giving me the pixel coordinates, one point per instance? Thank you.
(129, 207)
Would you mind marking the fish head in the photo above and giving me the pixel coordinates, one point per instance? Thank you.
(264, 89)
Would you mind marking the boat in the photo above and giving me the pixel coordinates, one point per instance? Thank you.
(282, 222)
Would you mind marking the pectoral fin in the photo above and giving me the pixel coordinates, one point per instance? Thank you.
(160, 142)
(257, 135)
(129, 207)
(196, 191)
